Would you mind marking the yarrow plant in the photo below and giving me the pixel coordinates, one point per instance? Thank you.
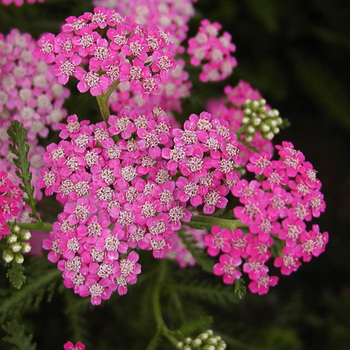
(137, 184)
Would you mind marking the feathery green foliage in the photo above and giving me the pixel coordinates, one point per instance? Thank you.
(18, 135)
(17, 335)
(15, 273)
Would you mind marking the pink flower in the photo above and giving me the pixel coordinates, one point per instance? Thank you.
(227, 267)
(70, 346)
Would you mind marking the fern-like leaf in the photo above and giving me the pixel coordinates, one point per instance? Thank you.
(17, 336)
(201, 323)
(216, 294)
(18, 135)
(240, 288)
(201, 258)
(30, 296)
(15, 274)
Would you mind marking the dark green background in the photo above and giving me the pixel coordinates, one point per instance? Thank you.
(297, 54)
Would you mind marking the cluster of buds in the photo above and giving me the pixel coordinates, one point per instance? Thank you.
(258, 116)
(17, 245)
(204, 341)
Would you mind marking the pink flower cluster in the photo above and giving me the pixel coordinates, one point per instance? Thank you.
(172, 15)
(129, 186)
(231, 109)
(10, 200)
(212, 51)
(29, 92)
(275, 210)
(70, 346)
(179, 251)
(174, 88)
(20, 2)
(127, 53)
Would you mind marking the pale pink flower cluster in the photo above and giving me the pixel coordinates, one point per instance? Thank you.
(29, 92)
(275, 209)
(19, 3)
(10, 201)
(127, 52)
(179, 251)
(172, 15)
(230, 109)
(130, 186)
(212, 52)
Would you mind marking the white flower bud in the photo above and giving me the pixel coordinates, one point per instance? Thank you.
(26, 235)
(16, 229)
(8, 256)
(12, 238)
(16, 247)
(26, 247)
(19, 258)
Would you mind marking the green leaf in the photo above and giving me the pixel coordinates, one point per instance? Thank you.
(18, 135)
(18, 337)
(201, 323)
(240, 288)
(15, 274)
(216, 294)
(201, 258)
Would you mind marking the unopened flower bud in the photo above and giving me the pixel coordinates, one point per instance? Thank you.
(26, 248)
(8, 256)
(16, 229)
(26, 235)
(11, 238)
(19, 258)
(16, 247)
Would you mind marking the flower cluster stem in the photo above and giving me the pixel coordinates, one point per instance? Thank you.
(162, 328)
(35, 226)
(102, 101)
(210, 221)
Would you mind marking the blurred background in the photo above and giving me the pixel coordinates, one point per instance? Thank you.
(297, 54)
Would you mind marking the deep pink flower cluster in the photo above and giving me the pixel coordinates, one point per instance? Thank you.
(10, 200)
(230, 109)
(128, 186)
(174, 88)
(70, 346)
(275, 210)
(19, 3)
(212, 51)
(172, 15)
(127, 53)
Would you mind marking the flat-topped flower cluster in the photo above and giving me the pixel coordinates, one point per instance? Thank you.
(127, 52)
(276, 206)
(130, 186)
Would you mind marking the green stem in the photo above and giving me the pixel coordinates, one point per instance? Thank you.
(35, 226)
(211, 221)
(161, 326)
(102, 101)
